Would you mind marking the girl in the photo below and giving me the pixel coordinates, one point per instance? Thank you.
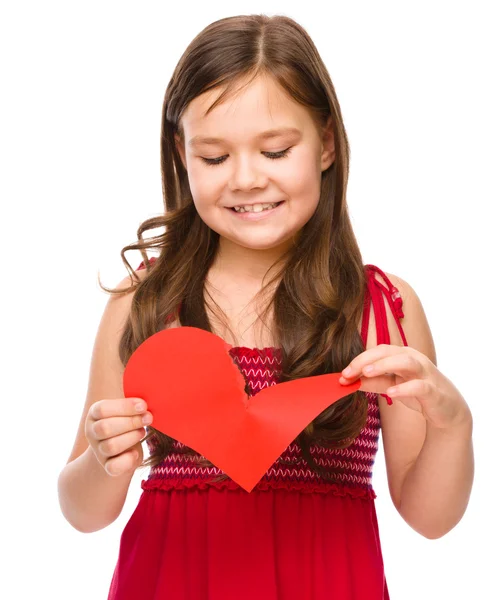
(258, 248)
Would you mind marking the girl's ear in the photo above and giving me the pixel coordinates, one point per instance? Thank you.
(328, 150)
(180, 149)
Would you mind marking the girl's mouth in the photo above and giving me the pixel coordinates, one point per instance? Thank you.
(256, 216)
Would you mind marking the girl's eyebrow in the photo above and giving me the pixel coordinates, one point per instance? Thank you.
(271, 133)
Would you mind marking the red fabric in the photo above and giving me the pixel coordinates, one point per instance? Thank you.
(294, 537)
(374, 293)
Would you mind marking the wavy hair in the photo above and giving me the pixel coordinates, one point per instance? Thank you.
(319, 283)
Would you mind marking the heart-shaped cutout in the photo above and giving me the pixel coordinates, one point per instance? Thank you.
(196, 395)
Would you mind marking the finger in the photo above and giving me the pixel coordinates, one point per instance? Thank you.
(377, 385)
(354, 370)
(406, 365)
(418, 388)
(373, 355)
(120, 443)
(107, 428)
(118, 407)
(126, 461)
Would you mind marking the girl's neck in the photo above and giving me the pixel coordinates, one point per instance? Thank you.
(236, 298)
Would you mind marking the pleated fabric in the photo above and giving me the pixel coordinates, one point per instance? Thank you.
(211, 544)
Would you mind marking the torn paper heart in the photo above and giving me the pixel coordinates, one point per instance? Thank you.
(196, 395)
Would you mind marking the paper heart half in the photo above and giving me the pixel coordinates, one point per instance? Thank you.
(196, 395)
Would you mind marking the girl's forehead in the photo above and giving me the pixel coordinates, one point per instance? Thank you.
(262, 109)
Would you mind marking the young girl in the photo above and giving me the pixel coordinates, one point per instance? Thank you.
(258, 248)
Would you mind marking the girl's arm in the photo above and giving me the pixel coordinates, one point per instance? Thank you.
(90, 498)
(437, 488)
(437, 485)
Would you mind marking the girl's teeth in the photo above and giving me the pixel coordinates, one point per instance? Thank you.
(255, 208)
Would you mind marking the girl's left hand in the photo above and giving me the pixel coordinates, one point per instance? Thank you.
(417, 382)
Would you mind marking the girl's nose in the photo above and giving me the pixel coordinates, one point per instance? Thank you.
(247, 175)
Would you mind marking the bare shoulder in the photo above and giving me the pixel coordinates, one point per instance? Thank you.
(403, 429)
(106, 368)
(414, 322)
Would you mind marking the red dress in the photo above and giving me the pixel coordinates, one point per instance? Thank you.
(296, 536)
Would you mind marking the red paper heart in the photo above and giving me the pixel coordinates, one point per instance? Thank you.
(196, 395)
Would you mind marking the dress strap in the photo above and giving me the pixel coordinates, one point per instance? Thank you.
(374, 293)
(151, 260)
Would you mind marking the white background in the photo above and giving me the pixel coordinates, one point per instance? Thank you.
(82, 89)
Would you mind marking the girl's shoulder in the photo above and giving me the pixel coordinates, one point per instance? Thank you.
(395, 301)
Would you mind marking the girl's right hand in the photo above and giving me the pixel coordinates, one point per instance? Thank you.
(114, 430)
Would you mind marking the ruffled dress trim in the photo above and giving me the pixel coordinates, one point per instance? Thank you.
(336, 489)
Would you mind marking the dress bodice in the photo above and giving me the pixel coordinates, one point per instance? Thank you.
(351, 467)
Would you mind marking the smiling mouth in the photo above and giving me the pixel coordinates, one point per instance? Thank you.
(275, 205)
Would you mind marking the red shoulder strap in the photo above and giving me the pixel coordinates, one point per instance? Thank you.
(152, 259)
(375, 292)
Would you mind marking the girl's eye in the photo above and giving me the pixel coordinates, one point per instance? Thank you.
(272, 155)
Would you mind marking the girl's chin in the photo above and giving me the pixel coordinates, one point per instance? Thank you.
(256, 242)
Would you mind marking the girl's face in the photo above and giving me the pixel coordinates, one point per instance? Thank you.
(242, 166)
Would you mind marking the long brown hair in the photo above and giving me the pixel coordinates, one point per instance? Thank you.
(320, 282)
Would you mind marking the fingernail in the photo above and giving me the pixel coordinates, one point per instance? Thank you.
(347, 371)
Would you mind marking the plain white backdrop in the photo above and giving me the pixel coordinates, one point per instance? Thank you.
(82, 90)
